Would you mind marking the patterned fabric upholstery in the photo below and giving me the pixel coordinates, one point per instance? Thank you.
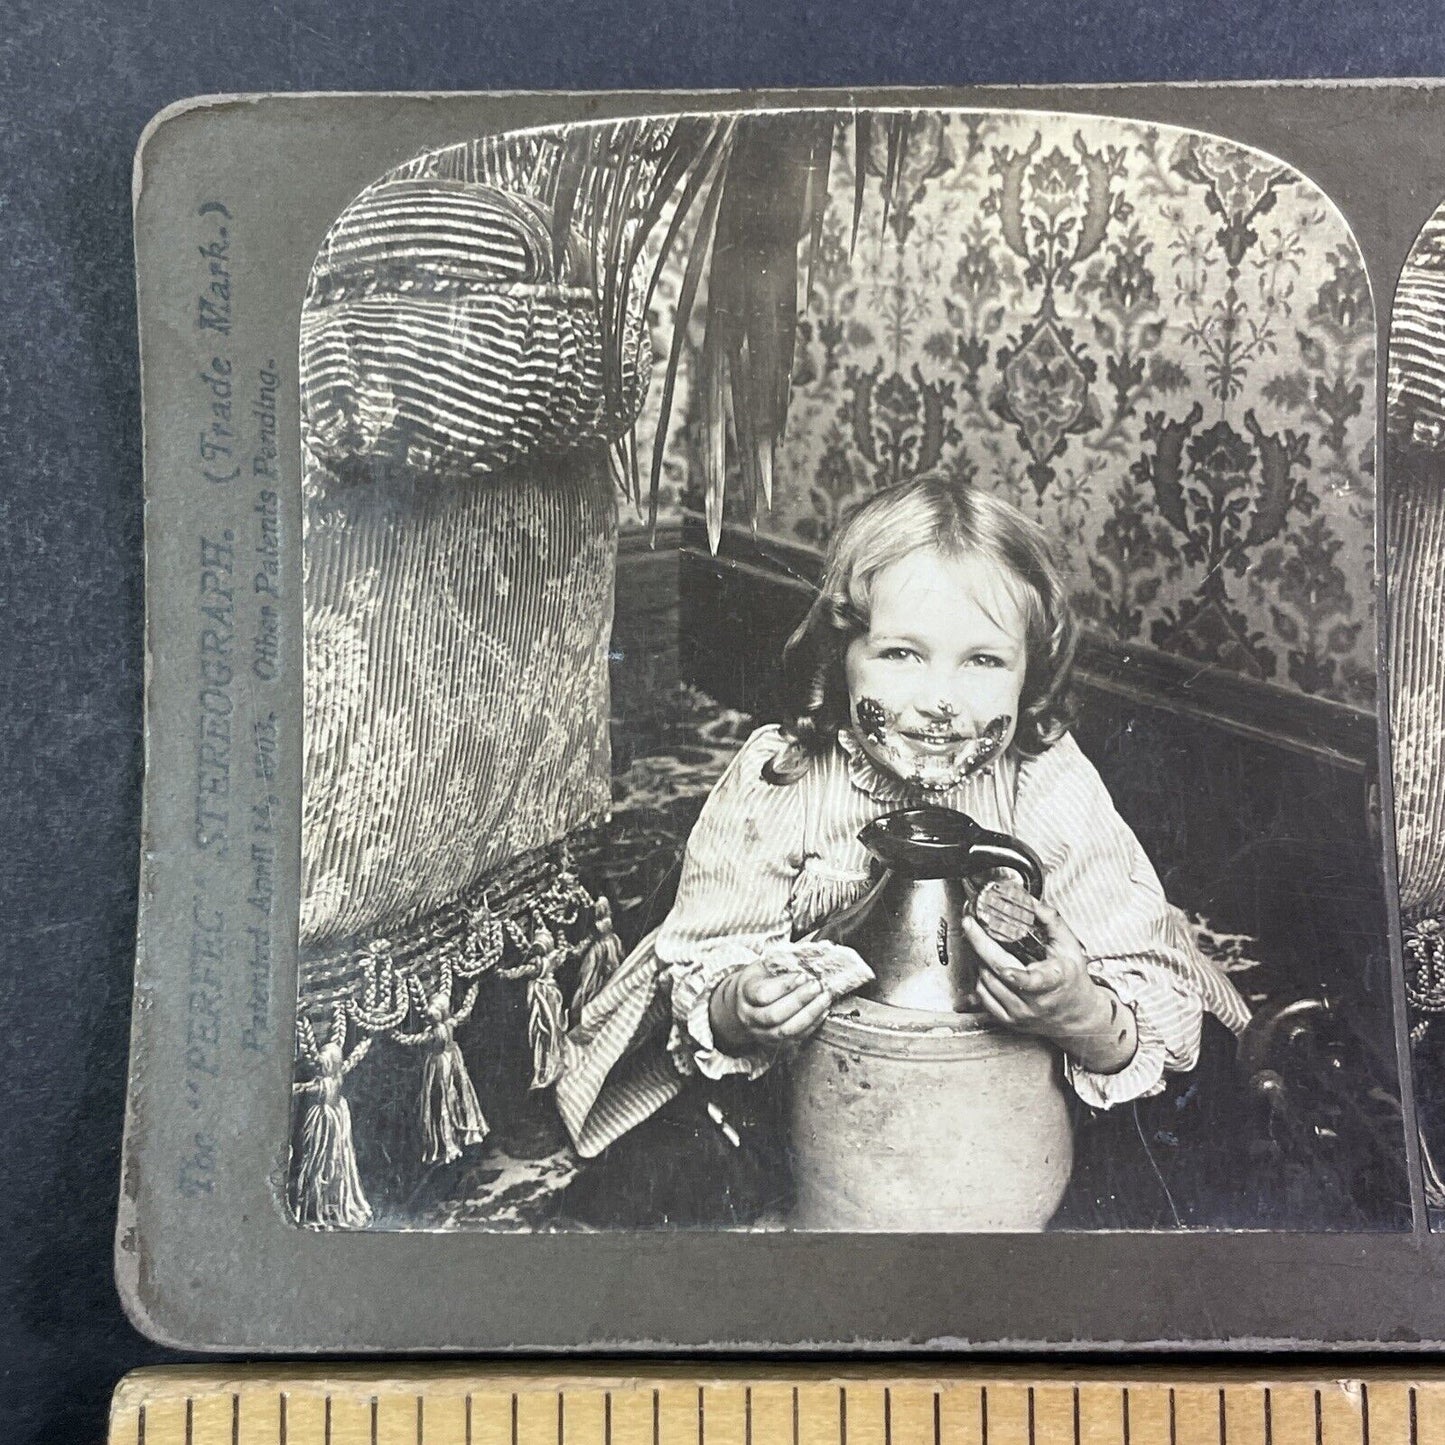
(1416, 557)
(456, 679)
(460, 549)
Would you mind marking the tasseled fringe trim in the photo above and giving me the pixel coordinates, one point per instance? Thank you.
(450, 1114)
(401, 990)
(532, 883)
(1424, 973)
(326, 1190)
(1425, 997)
(546, 1030)
(601, 958)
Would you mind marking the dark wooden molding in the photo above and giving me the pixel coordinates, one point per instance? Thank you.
(1317, 727)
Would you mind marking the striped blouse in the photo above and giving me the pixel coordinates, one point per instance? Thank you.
(766, 864)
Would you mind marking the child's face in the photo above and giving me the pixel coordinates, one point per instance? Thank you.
(934, 683)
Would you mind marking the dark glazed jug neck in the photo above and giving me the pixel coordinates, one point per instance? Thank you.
(934, 842)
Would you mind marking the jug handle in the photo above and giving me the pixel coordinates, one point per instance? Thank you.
(998, 850)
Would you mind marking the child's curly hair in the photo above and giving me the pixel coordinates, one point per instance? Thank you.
(930, 512)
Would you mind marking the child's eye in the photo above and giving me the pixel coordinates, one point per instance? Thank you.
(989, 659)
(897, 654)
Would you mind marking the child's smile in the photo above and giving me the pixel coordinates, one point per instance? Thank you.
(934, 683)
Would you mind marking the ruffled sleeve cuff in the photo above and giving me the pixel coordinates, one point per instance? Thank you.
(1157, 1051)
(690, 1043)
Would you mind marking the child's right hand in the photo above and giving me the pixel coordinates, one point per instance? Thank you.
(757, 1007)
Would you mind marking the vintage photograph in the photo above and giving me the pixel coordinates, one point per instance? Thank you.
(1416, 465)
(841, 687)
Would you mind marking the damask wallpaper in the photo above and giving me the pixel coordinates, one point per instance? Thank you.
(1157, 342)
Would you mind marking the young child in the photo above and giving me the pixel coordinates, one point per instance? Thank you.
(933, 666)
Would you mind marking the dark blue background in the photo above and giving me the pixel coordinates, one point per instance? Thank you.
(77, 87)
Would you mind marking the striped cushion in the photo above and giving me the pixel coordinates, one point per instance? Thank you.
(1417, 350)
(442, 333)
(1416, 559)
(438, 233)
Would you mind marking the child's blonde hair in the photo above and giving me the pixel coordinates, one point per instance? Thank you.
(956, 519)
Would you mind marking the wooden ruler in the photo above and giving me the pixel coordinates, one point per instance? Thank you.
(742, 1405)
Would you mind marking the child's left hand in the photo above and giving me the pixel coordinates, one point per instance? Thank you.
(1055, 998)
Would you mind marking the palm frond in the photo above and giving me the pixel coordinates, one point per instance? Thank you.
(862, 142)
(815, 199)
(713, 386)
(566, 183)
(754, 189)
(702, 171)
(717, 156)
(753, 302)
(897, 127)
(620, 196)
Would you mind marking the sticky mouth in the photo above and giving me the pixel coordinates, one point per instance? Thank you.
(987, 744)
(979, 751)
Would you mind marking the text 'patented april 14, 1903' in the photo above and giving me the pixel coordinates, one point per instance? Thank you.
(238, 733)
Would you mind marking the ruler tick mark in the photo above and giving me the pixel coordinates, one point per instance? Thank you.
(1036, 1432)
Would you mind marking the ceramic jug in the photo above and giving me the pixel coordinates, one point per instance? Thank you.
(935, 861)
(911, 1111)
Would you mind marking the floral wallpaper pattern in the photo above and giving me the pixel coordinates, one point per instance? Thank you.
(1158, 343)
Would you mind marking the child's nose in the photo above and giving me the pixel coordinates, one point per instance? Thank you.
(939, 704)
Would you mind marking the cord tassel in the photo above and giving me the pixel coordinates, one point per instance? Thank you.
(451, 1115)
(601, 958)
(546, 1010)
(326, 1186)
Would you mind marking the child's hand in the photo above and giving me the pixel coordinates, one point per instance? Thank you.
(758, 1007)
(1055, 997)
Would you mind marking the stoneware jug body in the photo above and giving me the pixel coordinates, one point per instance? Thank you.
(911, 1111)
